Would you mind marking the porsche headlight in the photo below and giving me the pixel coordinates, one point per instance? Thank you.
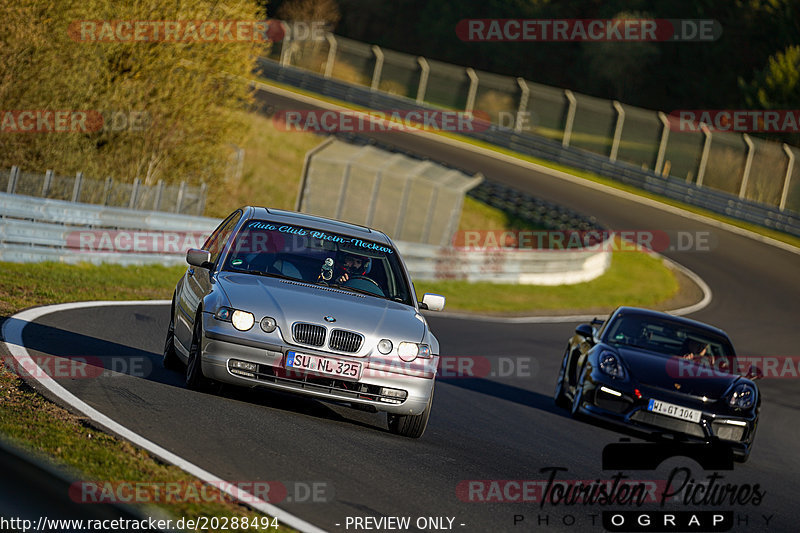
(610, 365)
(224, 314)
(742, 396)
(242, 320)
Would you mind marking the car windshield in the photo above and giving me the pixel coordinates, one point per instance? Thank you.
(310, 255)
(664, 336)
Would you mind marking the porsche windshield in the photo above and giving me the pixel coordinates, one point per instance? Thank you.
(313, 256)
(666, 337)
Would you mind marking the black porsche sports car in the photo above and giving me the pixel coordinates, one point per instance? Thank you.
(661, 375)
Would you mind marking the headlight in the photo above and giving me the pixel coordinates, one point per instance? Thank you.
(610, 365)
(224, 313)
(407, 351)
(385, 346)
(242, 320)
(268, 324)
(742, 396)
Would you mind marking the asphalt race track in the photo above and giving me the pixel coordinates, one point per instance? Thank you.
(499, 425)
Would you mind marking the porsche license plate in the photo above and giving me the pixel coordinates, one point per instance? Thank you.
(323, 365)
(675, 411)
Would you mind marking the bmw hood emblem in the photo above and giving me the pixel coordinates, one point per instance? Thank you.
(329, 319)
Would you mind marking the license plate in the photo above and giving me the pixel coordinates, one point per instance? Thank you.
(675, 411)
(323, 365)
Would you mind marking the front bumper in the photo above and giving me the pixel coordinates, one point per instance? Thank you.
(618, 404)
(220, 347)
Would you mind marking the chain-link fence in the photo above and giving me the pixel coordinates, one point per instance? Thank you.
(755, 170)
(408, 199)
(174, 198)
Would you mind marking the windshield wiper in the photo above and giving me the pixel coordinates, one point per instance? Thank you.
(353, 289)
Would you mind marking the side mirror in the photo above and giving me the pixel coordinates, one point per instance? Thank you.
(586, 331)
(432, 302)
(198, 258)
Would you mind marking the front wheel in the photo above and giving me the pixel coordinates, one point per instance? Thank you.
(170, 358)
(412, 426)
(577, 396)
(194, 368)
(560, 395)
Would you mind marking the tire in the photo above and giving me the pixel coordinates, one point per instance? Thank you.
(170, 359)
(576, 397)
(411, 426)
(560, 395)
(195, 380)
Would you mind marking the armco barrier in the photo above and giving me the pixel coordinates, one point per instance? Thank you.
(35, 229)
(540, 147)
(525, 267)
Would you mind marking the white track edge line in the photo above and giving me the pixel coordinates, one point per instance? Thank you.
(12, 338)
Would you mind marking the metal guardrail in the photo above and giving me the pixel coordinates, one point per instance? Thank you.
(526, 267)
(36, 229)
(671, 187)
(96, 216)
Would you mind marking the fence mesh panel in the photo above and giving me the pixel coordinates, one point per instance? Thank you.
(641, 135)
(726, 160)
(29, 183)
(546, 111)
(448, 86)
(355, 62)
(400, 74)
(499, 97)
(594, 123)
(763, 185)
(793, 192)
(682, 156)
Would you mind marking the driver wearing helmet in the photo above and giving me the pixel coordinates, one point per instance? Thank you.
(346, 266)
(353, 265)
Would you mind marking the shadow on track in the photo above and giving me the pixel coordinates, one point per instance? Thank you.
(66, 355)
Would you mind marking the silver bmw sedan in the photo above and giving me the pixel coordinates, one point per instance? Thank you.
(307, 305)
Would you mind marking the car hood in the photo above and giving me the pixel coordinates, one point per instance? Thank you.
(658, 370)
(289, 302)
